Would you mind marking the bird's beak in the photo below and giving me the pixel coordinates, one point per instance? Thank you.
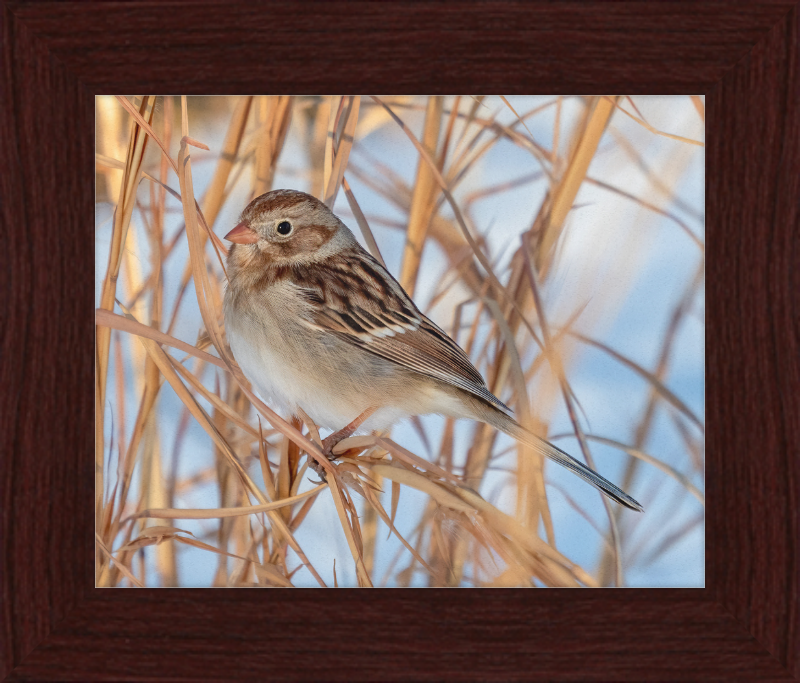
(242, 234)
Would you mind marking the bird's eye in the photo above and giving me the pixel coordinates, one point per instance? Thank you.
(284, 228)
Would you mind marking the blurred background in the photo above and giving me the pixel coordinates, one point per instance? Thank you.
(580, 300)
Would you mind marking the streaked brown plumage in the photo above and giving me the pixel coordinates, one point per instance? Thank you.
(316, 323)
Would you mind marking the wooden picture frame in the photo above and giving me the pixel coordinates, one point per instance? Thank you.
(743, 56)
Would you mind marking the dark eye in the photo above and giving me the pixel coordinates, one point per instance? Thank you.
(284, 228)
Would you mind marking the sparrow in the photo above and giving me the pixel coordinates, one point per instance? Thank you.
(321, 328)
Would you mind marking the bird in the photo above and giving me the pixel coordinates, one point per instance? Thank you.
(321, 328)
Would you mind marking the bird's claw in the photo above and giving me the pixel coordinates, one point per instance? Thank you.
(329, 442)
(327, 451)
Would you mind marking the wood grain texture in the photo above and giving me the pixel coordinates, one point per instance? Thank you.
(57, 56)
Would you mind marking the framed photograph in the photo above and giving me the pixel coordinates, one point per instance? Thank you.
(506, 297)
(559, 240)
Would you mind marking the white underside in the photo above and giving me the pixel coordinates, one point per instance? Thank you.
(332, 381)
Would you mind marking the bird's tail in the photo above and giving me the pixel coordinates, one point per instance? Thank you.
(511, 427)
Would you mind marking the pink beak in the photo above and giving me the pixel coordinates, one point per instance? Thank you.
(242, 234)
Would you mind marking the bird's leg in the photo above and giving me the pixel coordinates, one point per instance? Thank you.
(330, 441)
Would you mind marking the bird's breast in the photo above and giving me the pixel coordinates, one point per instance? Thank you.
(289, 363)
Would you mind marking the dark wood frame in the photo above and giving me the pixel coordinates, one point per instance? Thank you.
(57, 56)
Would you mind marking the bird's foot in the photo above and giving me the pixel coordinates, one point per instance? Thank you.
(329, 442)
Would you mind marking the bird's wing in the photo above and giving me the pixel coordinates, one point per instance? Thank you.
(358, 300)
